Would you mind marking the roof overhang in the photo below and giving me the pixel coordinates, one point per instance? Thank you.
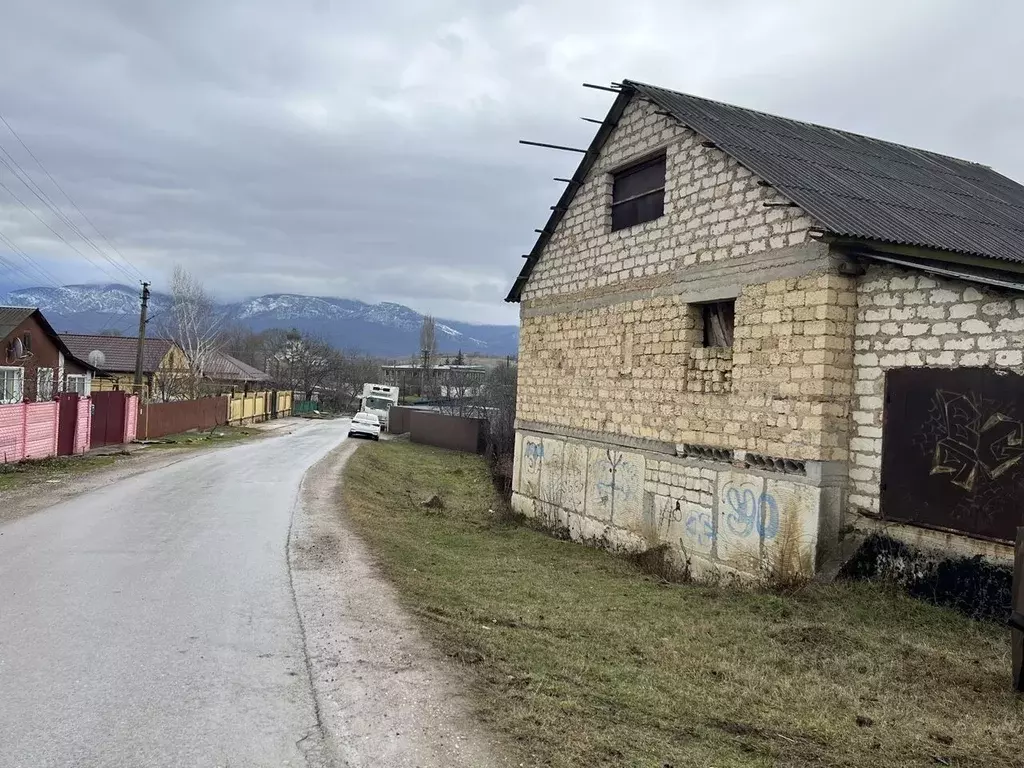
(582, 170)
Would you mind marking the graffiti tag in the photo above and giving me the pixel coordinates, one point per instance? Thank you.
(699, 526)
(971, 447)
(750, 511)
(616, 486)
(534, 453)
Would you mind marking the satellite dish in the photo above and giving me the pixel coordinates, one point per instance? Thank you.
(97, 358)
(19, 349)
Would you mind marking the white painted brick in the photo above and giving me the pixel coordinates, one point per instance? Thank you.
(1009, 357)
(915, 329)
(975, 327)
(960, 311)
(976, 358)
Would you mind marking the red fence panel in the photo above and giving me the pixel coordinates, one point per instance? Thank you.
(161, 419)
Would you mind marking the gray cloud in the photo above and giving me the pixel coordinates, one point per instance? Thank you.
(371, 151)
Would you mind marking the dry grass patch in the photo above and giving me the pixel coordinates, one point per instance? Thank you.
(580, 659)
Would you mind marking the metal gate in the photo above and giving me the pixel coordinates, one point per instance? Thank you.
(67, 423)
(953, 450)
(109, 410)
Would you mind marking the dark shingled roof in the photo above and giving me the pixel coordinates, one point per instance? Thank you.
(224, 367)
(12, 317)
(852, 185)
(118, 351)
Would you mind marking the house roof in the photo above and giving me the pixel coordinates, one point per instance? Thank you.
(853, 186)
(225, 367)
(12, 317)
(118, 351)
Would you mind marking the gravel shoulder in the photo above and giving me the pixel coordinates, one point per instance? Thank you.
(384, 696)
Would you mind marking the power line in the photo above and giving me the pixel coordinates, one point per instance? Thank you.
(39, 270)
(68, 197)
(58, 234)
(22, 175)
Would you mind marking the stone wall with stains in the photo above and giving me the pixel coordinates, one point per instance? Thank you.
(714, 516)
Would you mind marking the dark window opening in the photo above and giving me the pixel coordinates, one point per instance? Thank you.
(638, 194)
(26, 341)
(719, 320)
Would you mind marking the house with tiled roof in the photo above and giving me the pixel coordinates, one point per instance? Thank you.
(743, 334)
(164, 365)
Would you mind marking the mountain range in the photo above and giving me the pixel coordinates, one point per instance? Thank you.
(385, 329)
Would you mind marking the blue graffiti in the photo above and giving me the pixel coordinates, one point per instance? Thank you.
(534, 453)
(751, 511)
(700, 527)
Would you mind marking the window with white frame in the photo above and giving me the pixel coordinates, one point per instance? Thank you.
(12, 384)
(79, 384)
(44, 384)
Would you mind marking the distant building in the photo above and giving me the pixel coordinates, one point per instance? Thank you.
(446, 381)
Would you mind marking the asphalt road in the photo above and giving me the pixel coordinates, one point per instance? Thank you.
(153, 622)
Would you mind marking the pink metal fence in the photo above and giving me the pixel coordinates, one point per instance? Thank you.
(84, 425)
(28, 431)
(131, 418)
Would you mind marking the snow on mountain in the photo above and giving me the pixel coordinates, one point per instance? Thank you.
(71, 299)
(383, 329)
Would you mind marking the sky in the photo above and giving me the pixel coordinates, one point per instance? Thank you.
(369, 150)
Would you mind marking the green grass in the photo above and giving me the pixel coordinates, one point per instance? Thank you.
(40, 470)
(579, 658)
(207, 438)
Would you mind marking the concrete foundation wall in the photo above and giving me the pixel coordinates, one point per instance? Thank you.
(714, 517)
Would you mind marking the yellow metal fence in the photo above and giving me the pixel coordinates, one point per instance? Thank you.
(246, 408)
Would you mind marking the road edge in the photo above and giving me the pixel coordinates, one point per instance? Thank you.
(384, 696)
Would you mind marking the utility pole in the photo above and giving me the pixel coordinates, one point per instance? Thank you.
(142, 339)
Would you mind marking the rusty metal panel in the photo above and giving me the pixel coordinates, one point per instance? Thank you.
(953, 450)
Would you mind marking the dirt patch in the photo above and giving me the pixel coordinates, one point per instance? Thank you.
(384, 695)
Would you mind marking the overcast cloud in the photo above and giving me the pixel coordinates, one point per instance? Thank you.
(369, 150)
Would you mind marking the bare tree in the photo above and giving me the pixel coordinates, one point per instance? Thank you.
(348, 377)
(499, 400)
(428, 348)
(303, 363)
(193, 323)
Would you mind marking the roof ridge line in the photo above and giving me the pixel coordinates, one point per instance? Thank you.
(808, 123)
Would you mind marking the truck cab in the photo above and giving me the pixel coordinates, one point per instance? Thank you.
(378, 400)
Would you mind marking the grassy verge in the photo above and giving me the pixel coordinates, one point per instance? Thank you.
(580, 659)
(207, 438)
(54, 468)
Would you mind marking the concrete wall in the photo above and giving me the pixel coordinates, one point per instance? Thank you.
(715, 517)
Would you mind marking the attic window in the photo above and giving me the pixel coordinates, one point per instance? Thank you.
(638, 193)
(719, 320)
(26, 340)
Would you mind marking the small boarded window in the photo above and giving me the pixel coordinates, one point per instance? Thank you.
(719, 319)
(638, 193)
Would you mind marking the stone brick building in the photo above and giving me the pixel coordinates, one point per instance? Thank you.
(709, 316)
